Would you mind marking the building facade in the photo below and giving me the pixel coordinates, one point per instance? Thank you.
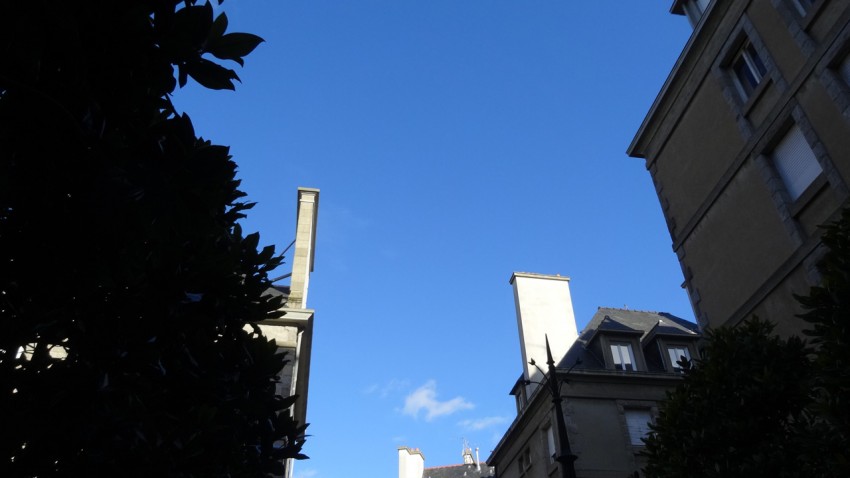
(614, 375)
(748, 145)
(293, 332)
(411, 464)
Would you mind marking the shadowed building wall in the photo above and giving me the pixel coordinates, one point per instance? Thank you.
(748, 146)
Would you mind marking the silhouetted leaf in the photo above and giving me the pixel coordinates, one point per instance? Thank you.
(234, 46)
(211, 75)
(219, 26)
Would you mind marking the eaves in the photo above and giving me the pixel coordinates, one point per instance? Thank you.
(683, 73)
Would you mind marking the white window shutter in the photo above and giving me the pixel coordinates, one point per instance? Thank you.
(637, 421)
(795, 162)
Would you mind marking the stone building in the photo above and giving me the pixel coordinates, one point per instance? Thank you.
(748, 145)
(616, 370)
(411, 464)
(293, 332)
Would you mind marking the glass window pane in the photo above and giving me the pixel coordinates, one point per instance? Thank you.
(755, 59)
(745, 76)
(623, 357)
(676, 354)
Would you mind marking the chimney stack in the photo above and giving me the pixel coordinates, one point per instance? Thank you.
(544, 307)
(467, 455)
(305, 245)
(411, 462)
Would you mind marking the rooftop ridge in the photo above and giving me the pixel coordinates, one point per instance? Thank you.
(632, 310)
(452, 466)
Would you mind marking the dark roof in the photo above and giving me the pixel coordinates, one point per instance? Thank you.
(459, 471)
(276, 290)
(624, 321)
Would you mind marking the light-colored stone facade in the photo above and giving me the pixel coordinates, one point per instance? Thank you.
(293, 332)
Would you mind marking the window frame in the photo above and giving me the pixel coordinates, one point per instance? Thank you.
(748, 70)
(790, 211)
(742, 104)
(829, 72)
(674, 366)
(644, 427)
(620, 345)
(804, 194)
(625, 405)
(524, 461)
(549, 443)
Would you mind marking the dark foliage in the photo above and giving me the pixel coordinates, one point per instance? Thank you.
(125, 282)
(757, 405)
(731, 415)
(828, 311)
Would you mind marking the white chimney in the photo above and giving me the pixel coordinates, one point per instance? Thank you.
(411, 462)
(544, 307)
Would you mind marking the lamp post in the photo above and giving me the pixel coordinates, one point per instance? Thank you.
(566, 457)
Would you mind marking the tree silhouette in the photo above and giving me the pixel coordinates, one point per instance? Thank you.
(756, 405)
(126, 283)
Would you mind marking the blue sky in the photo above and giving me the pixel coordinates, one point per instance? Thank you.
(454, 142)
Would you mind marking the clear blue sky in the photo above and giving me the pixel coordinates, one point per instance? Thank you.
(454, 142)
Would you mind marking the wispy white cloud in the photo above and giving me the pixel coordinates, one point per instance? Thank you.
(308, 473)
(387, 389)
(474, 424)
(425, 398)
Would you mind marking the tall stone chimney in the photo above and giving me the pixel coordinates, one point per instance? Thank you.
(411, 462)
(544, 307)
(293, 332)
(305, 245)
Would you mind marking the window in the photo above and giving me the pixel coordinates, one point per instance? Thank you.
(521, 399)
(796, 162)
(637, 423)
(678, 352)
(623, 357)
(524, 461)
(550, 442)
(748, 70)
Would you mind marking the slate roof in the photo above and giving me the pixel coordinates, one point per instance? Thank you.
(459, 471)
(640, 323)
(276, 290)
(279, 291)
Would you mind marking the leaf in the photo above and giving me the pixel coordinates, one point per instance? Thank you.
(181, 76)
(219, 26)
(211, 75)
(194, 22)
(234, 46)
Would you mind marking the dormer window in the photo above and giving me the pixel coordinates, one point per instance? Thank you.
(623, 356)
(677, 353)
